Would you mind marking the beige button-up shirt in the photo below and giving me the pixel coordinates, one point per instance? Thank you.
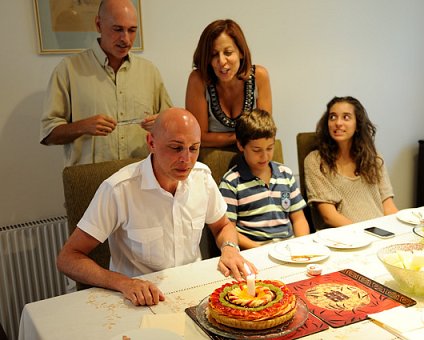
(83, 85)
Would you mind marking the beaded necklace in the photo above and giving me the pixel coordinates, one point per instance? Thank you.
(249, 94)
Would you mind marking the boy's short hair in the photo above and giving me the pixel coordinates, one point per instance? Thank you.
(254, 125)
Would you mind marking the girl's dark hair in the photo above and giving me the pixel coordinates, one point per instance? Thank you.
(363, 151)
(203, 54)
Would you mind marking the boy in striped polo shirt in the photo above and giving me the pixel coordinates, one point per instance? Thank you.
(262, 196)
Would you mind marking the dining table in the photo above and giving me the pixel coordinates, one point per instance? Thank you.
(97, 313)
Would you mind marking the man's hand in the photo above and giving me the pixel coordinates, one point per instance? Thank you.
(231, 262)
(147, 123)
(142, 292)
(98, 125)
(74, 262)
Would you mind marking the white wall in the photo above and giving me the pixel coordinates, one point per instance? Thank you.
(313, 50)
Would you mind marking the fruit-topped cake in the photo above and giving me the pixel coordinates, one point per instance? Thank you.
(272, 305)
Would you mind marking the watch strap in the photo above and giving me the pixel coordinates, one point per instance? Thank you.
(230, 244)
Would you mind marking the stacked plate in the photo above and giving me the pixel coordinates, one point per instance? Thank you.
(342, 238)
(414, 216)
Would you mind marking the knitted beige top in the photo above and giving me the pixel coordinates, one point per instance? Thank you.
(353, 196)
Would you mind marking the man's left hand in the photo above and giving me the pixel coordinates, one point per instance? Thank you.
(231, 262)
(147, 123)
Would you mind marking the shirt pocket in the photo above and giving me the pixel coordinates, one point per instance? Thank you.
(147, 245)
(197, 225)
(137, 109)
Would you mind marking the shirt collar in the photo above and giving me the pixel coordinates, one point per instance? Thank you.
(102, 57)
(149, 181)
(148, 178)
(245, 172)
(99, 53)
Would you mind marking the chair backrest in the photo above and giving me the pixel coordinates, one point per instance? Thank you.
(220, 160)
(3, 335)
(306, 142)
(80, 183)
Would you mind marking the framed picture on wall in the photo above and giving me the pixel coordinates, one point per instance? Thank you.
(67, 26)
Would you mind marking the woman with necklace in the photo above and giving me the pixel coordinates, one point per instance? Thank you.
(224, 83)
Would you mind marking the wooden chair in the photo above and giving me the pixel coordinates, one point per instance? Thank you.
(3, 335)
(80, 183)
(306, 142)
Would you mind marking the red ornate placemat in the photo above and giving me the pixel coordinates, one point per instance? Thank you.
(345, 297)
(312, 325)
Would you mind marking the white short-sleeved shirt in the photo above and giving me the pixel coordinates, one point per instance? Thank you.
(148, 228)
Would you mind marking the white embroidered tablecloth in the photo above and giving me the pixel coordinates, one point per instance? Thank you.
(101, 314)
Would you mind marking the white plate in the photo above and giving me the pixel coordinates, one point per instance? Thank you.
(148, 333)
(407, 215)
(342, 239)
(281, 251)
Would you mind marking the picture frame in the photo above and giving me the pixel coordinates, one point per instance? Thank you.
(67, 26)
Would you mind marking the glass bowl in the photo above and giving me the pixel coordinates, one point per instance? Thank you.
(410, 281)
(419, 231)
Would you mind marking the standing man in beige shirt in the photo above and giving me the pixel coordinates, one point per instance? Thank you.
(101, 102)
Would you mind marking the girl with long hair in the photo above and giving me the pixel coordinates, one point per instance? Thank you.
(346, 180)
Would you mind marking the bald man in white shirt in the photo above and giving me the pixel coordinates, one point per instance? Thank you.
(153, 213)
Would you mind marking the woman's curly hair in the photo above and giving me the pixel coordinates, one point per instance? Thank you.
(363, 151)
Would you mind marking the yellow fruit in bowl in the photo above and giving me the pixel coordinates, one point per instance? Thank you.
(405, 262)
(394, 259)
(413, 260)
(417, 260)
(405, 257)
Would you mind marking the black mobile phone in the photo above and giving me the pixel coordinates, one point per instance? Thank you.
(379, 232)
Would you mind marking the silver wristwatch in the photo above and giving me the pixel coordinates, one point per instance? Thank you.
(231, 244)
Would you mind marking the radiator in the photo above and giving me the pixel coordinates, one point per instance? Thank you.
(28, 267)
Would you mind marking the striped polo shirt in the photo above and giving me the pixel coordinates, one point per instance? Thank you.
(261, 212)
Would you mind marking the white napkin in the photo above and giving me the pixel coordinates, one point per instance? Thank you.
(297, 249)
(344, 237)
(407, 323)
(174, 322)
